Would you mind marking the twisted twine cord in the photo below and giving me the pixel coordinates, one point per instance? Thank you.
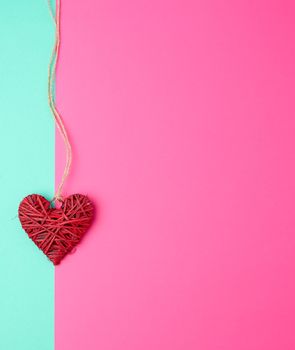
(56, 115)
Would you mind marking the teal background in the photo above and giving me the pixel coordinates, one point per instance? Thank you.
(27, 166)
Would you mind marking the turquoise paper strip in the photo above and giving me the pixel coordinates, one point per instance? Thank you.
(27, 166)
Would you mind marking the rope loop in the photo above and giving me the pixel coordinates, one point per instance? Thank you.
(56, 115)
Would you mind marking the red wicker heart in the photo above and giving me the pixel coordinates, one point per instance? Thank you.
(56, 231)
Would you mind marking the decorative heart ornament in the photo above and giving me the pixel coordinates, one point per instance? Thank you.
(56, 231)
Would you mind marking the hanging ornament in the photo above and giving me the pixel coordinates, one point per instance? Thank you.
(56, 226)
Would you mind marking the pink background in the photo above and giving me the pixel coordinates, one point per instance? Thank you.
(181, 113)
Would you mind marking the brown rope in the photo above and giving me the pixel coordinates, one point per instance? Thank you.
(56, 115)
